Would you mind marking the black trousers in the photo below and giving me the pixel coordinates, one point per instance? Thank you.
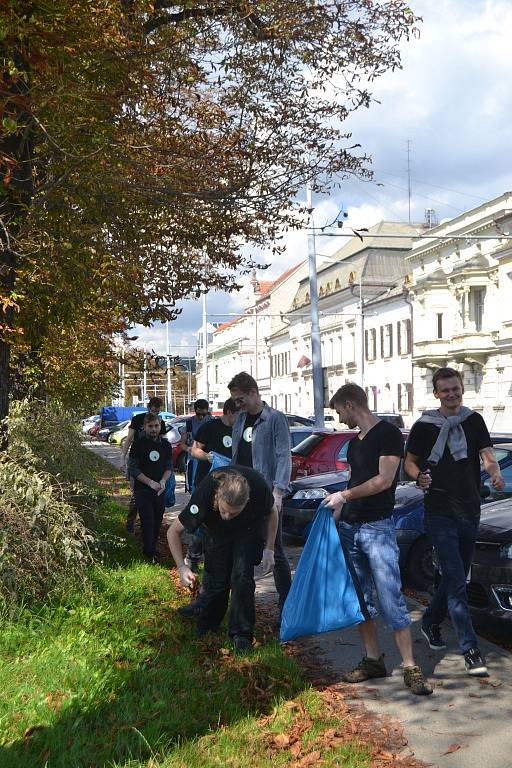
(151, 510)
(230, 562)
(282, 571)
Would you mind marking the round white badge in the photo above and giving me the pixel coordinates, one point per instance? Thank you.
(227, 442)
(194, 509)
(247, 435)
(154, 456)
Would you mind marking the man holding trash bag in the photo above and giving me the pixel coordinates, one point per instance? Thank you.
(368, 532)
(214, 436)
(237, 510)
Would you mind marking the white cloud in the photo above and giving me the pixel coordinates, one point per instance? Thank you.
(453, 101)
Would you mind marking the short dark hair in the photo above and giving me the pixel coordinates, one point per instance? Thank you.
(232, 486)
(155, 402)
(201, 403)
(244, 382)
(230, 406)
(445, 373)
(149, 417)
(352, 392)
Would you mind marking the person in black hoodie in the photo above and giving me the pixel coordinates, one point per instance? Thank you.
(150, 465)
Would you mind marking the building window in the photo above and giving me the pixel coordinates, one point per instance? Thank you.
(439, 325)
(386, 340)
(476, 306)
(404, 397)
(325, 380)
(404, 337)
(370, 344)
(371, 393)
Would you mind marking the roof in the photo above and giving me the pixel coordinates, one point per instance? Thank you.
(223, 326)
(373, 262)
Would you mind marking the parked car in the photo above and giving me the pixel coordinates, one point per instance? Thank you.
(299, 421)
(321, 452)
(393, 418)
(503, 453)
(175, 429)
(299, 434)
(490, 579)
(106, 432)
(301, 503)
(88, 423)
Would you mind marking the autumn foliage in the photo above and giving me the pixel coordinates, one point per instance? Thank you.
(149, 148)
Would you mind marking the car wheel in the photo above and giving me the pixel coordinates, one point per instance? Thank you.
(420, 566)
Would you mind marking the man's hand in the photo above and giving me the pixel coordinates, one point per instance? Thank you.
(124, 461)
(161, 484)
(497, 481)
(335, 501)
(278, 498)
(267, 561)
(187, 577)
(424, 480)
(154, 485)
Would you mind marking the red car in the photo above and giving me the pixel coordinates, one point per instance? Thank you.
(324, 452)
(321, 452)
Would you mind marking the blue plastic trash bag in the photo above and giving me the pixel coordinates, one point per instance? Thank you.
(219, 461)
(170, 491)
(322, 596)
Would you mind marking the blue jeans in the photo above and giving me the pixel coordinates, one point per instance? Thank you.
(374, 552)
(454, 541)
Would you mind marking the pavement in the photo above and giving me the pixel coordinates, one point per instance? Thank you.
(466, 723)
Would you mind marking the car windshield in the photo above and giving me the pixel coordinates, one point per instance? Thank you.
(307, 445)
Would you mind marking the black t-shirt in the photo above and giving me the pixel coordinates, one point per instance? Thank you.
(201, 511)
(244, 454)
(152, 458)
(383, 439)
(455, 489)
(137, 424)
(214, 436)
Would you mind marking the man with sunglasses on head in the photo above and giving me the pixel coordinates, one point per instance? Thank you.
(201, 416)
(261, 439)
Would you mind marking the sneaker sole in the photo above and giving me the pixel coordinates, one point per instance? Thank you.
(477, 671)
(434, 647)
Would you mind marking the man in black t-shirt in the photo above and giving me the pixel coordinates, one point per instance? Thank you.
(443, 456)
(214, 436)
(236, 508)
(136, 430)
(150, 466)
(368, 531)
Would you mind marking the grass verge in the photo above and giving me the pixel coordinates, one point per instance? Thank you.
(109, 675)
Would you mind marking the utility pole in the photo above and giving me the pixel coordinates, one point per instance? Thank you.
(206, 384)
(316, 349)
(168, 356)
(409, 190)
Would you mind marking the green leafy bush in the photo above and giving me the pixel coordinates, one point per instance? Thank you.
(47, 481)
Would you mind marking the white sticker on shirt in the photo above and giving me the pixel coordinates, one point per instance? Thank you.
(194, 509)
(154, 456)
(227, 441)
(247, 435)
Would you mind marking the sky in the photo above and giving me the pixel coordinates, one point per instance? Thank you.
(451, 102)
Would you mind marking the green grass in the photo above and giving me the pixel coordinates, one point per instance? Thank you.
(110, 675)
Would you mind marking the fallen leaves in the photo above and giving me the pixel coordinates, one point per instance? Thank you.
(453, 748)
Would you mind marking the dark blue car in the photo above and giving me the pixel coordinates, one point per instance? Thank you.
(300, 505)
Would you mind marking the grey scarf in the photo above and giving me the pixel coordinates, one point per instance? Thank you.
(450, 432)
